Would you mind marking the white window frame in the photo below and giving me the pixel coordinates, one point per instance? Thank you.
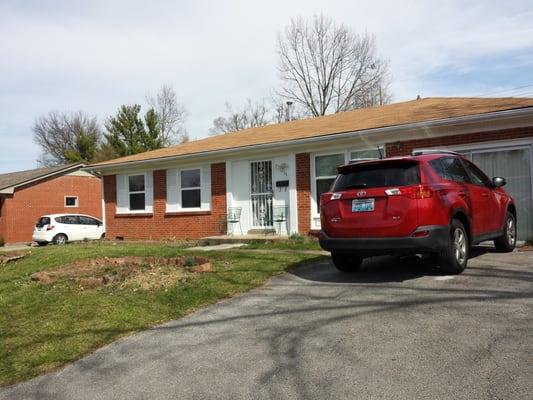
(123, 193)
(71, 197)
(136, 192)
(182, 189)
(174, 190)
(315, 214)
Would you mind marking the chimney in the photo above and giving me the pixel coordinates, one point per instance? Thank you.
(418, 97)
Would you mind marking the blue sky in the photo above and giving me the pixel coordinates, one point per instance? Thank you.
(97, 55)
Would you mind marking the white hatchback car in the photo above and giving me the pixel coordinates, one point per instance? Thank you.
(63, 228)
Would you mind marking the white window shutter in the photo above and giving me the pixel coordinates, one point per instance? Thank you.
(122, 194)
(172, 190)
(206, 188)
(149, 191)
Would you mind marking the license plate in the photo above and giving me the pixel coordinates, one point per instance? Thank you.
(362, 205)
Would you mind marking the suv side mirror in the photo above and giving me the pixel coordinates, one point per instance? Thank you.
(498, 181)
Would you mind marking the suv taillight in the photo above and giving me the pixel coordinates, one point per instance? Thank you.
(416, 192)
(49, 227)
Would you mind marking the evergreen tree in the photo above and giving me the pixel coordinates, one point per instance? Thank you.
(128, 134)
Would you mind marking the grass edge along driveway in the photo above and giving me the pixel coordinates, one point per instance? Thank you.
(43, 327)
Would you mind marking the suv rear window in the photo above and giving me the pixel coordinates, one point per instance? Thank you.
(377, 175)
(42, 222)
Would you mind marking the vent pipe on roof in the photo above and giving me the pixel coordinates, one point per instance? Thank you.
(288, 116)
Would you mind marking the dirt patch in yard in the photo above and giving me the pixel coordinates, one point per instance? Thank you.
(12, 256)
(144, 273)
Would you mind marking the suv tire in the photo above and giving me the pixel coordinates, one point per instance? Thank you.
(454, 257)
(506, 243)
(346, 262)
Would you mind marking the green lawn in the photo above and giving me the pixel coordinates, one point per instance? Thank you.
(43, 327)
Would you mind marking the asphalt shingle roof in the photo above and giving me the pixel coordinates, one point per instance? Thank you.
(18, 178)
(409, 112)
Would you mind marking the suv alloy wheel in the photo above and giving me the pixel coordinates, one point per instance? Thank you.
(506, 243)
(455, 256)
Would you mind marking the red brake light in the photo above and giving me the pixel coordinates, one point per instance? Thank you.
(49, 227)
(417, 192)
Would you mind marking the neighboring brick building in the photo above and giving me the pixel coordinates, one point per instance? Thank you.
(185, 191)
(27, 195)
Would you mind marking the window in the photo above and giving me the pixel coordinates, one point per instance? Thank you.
(371, 153)
(43, 221)
(189, 190)
(383, 175)
(476, 175)
(191, 184)
(450, 168)
(136, 192)
(325, 173)
(71, 201)
(88, 221)
(68, 219)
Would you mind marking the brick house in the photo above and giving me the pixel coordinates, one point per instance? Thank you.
(27, 195)
(187, 190)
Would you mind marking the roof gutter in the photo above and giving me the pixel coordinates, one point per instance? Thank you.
(470, 119)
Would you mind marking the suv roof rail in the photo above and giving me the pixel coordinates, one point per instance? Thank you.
(433, 151)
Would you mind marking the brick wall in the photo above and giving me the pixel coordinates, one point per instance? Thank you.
(163, 225)
(406, 147)
(20, 211)
(303, 189)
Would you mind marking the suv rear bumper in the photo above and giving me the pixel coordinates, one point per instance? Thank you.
(434, 241)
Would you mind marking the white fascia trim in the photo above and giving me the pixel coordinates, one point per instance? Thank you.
(471, 119)
(8, 190)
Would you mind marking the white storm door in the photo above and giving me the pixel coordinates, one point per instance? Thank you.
(261, 194)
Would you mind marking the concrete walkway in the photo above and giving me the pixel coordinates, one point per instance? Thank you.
(395, 330)
(15, 247)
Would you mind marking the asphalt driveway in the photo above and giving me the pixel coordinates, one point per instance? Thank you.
(395, 330)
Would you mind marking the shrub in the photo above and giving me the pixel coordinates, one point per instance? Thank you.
(297, 237)
(189, 262)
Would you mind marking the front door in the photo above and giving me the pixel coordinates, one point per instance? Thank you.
(261, 194)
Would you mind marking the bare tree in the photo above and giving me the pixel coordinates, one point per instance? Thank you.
(66, 137)
(171, 115)
(253, 114)
(325, 67)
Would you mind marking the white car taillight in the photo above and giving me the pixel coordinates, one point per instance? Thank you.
(50, 227)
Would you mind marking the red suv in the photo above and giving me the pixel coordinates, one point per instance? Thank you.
(431, 202)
